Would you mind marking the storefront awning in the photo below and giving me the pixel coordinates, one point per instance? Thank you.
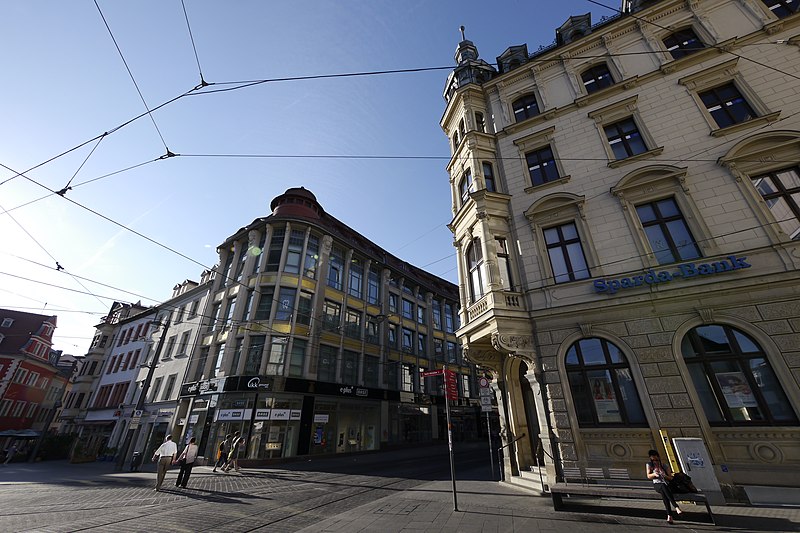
(20, 433)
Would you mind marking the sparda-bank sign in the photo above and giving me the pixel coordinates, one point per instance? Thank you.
(684, 271)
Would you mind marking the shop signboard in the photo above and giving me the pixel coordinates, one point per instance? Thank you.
(199, 388)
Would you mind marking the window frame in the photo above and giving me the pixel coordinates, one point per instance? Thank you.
(593, 69)
(534, 142)
(721, 74)
(476, 265)
(679, 48)
(610, 367)
(615, 113)
(563, 244)
(781, 5)
(740, 359)
(663, 221)
(521, 106)
(656, 182)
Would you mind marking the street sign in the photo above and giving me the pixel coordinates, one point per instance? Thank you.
(429, 373)
(484, 383)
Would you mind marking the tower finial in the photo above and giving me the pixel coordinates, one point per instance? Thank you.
(462, 33)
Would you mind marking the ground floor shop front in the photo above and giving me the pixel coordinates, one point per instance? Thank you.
(288, 417)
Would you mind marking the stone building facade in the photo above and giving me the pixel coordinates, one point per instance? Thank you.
(315, 341)
(626, 210)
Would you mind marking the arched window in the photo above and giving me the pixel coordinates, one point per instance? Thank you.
(603, 391)
(475, 266)
(733, 379)
(597, 77)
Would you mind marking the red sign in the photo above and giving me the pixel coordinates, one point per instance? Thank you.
(450, 386)
(429, 373)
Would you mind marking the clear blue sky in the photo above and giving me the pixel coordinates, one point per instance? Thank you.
(64, 83)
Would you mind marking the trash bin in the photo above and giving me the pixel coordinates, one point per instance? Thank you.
(136, 461)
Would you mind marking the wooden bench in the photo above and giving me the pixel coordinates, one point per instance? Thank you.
(612, 483)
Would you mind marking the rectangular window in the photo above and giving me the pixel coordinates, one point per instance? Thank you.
(783, 8)
(503, 263)
(465, 386)
(437, 314)
(352, 324)
(297, 360)
(596, 78)
(452, 353)
(178, 317)
(275, 250)
(392, 336)
(408, 309)
(356, 279)
(667, 231)
(226, 318)
(253, 363)
(312, 257)
(781, 192)
(200, 369)
(331, 315)
(566, 253)
(294, 253)
(371, 332)
(371, 371)
(285, 304)
(682, 43)
(525, 108)
(407, 378)
(349, 367)
(248, 303)
(420, 314)
(220, 352)
(32, 379)
(336, 268)
(193, 309)
(448, 318)
(465, 186)
(168, 348)
(5, 407)
(393, 303)
(258, 252)
(488, 177)
(168, 387)
(153, 391)
(111, 364)
(19, 406)
(422, 380)
(422, 344)
(373, 287)
(264, 303)
(237, 355)
(542, 166)
(214, 317)
(304, 308)
(277, 356)
(625, 139)
(438, 349)
(408, 340)
(184, 344)
(327, 363)
(727, 105)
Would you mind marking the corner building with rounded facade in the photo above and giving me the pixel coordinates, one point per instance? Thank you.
(626, 209)
(315, 342)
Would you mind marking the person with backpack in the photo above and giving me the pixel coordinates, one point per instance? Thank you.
(222, 452)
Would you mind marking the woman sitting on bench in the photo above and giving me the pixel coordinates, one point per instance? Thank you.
(661, 475)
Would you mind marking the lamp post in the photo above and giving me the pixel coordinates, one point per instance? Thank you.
(140, 403)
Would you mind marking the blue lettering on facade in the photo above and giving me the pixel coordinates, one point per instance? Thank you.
(686, 270)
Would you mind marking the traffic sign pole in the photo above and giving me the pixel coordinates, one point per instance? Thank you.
(447, 378)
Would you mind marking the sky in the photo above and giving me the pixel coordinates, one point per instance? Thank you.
(135, 223)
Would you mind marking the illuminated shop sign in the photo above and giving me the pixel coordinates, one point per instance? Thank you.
(684, 271)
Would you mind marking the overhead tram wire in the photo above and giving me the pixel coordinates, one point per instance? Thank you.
(58, 267)
(67, 187)
(80, 183)
(194, 47)
(197, 91)
(133, 79)
(715, 46)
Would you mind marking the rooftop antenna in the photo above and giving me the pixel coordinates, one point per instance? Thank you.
(462, 33)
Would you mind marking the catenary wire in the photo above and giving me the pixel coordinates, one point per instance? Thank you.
(130, 73)
(194, 47)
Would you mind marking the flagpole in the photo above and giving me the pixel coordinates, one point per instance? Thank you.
(447, 379)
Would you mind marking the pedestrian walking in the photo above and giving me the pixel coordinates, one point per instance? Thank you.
(10, 453)
(233, 455)
(222, 452)
(165, 455)
(186, 460)
(661, 476)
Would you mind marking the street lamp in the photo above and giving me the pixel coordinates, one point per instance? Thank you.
(129, 436)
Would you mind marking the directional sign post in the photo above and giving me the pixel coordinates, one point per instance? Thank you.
(450, 393)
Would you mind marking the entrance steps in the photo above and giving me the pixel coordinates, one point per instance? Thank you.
(530, 480)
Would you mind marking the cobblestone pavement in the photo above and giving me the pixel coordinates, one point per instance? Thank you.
(324, 498)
